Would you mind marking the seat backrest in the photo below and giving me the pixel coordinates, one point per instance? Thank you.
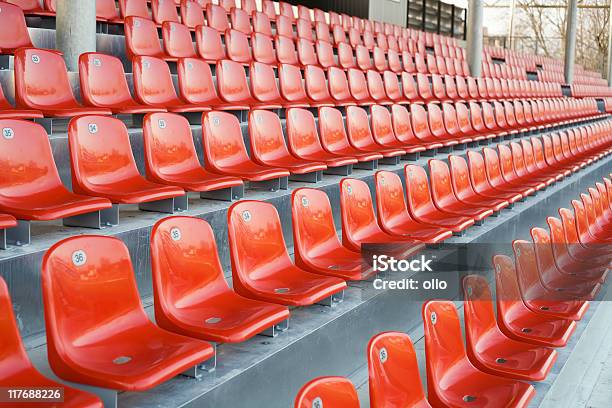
(168, 146)
(256, 241)
(338, 84)
(358, 127)
(441, 187)
(141, 37)
(25, 175)
(136, 8)
(316, 84)
(100, 152)
(420, 124)
(261, 23)
(302, 135)
(267, 7)
(209, 45)
(492, 166)
(527, 273)
(304, 29)
(164, 10)
(13, 357)
(392, 88)
(362, 55)
(232, 82)
(345, 56)
(382, 126)
(478, 309)
(402, 126)
(358, 85)
(313, 221)
(460, 176)
(237, 46)
(14, 33)
(376, 86)
(357, 212)
(325, 54)
(463, 118)
(285, 50)
(443, 340)
(327, 392)
(195, 81)
(380, 59)
(322, 31)
(41, 79)
(284, 26)
(184, 262)
(436, 121)
(192, 14)
(240, 20)
(177, 40)
(331, 129)
(507, 291)
(266, 136)
(477, 171)
(222, 141)
(79, 274)
(306, 52)
(518, 159)
(393, 370)
(103, 80)
(152, 81)
(418, 195)
(263, 82)
(409, 86)
(390, 197)
(291, 85)
(216, 17)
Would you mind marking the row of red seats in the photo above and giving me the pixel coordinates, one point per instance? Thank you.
(503, 71)
(532, 317)
(104, 87)
(581, 91)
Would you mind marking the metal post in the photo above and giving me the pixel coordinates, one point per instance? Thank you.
(75, 29)
(511, 25)
(609, 76)
(570, 40)
(474, 37)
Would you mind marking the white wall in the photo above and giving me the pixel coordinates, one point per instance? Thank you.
(389, 11)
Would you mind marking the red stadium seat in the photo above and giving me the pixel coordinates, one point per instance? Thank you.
(421, 205)
(377, 88)
(421, 129)
(103, 165)
(164, 10)
(331, 391)
(103, 85)
(393, 370)
(263, 49)
(325, 54)
(339, 87)
(177, 40)
(489, 349)
(171, 159)
(216, 17)
(153, 86)
(264, 87)
(322, 31)
(261, 23)
(480, 180)
(392, 88)
(248, 5)
(41, 83)
(516, 320)
(13, 30)
(346, 59)
(335, 140)
(193, 298)
(141, 38)
(261, 267)
(237, 46)
(241, 21)
(316, 87)
(359, 226)
(362, 56)
(535, 295)
(304, 143)
(292, 87)
(16, 367)
(227, 4)
(508, 167)
(152, 355)
(402, 128)
(409, 88)
(304, 29)
(232, 85)
(268, 147)
(285, 50)
(137, 8)
(316, 244)
(197, 87)
(225, 152)
(444, 197)
(382, 131)
(393, 216)
(267, 7)
(306, 53)
(451, 379)
(576, 248)
(192, 14)
(360, 136)
(358, 87)
(38, 178)
(209, 45)
(496, 178)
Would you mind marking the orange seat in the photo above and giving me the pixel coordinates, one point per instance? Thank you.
(225, 152)
(171, 159)
(216, 17)
(360, 136)
(444, 197)
(264, 87)
(325, 54)
(493, 167)
(394, 378)
(421, 129)
(233, 86)
(316, 244)
(41, 83)
(575, 247)
(303, 141)
(489, 349)
(16, 368)
(359, 226)
(30, 186)
(103, 85)
(327, 392)
(421, 205)
(137, 8)
(14, 32)
(241, 21)
(209, 44)
(402, 127)
(339, 87)
(237, 46)
(261, 267)
(163, 11)
(177, 40)
(316, 87)
(291, 86)
(285, 50)
(125, 350)
(383, 132)
(393, 215)
(335, 140)
(153, 86)
(452, 380)
(141, 39)
(192, 14)
(196, 84)
(437, 128)
(516, 320)
(103, 164)
(377, 88)
(358, 87)
(268, 147)
(480, 180)
(193, 298)
(535, 295)
(261, 23)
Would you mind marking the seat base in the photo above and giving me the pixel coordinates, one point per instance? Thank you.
(275, 184)
(225, 194)
(166, 206)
